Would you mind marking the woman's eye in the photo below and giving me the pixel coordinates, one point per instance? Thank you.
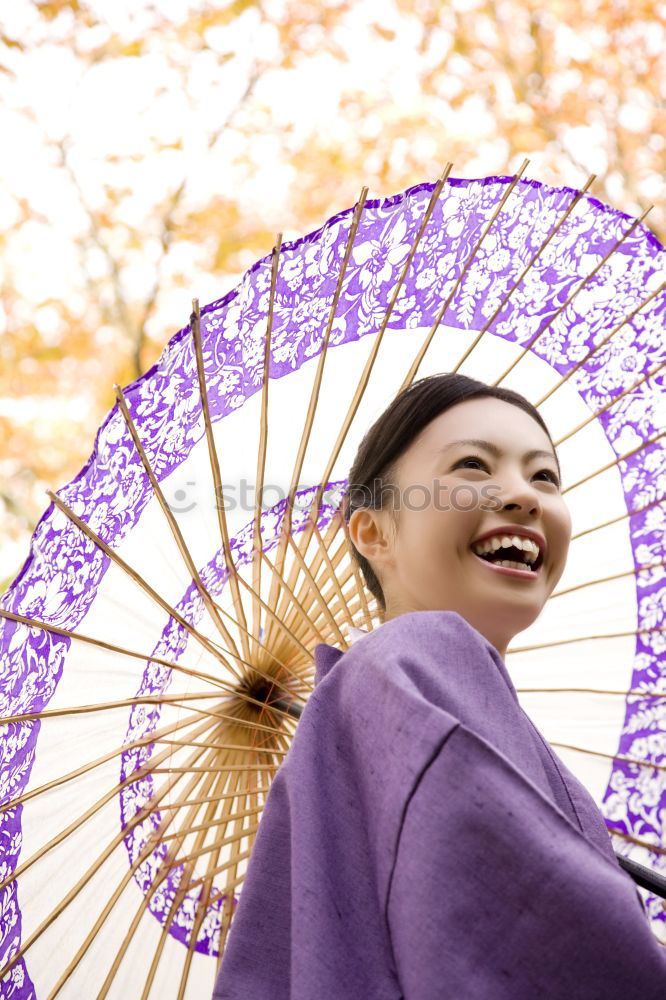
(479, 461)
(470, 458)
(552, 476)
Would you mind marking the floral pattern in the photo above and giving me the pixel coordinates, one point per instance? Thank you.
(60, 578)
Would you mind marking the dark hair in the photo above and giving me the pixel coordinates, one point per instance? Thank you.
(372, 475)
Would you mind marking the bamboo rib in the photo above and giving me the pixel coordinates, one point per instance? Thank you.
(175, 903)
(611, 756)
(605, 579)
(630, 691)
(331, 571)
(281, 625)
(613, 520)
(208, 644)
(571, 297)
(257, 540)
(572, 204)
(316, 504)
(111, 647)
(236, 855)
(55, 913)
(655, 848)
(601, 343)
(276, 589)
(91, 765)
(136, 576)
(162, 873)
(220, 746)
(195, 323)
(173, 525)
(616, 461)
(309, 593)
(595, 415)
(201, 909)
(416, 364)
(202, 906)
(149, 699)
(305, 593)
(152, 842)
(586, 638)
(296, 605)
(222, 685)
(85, 816)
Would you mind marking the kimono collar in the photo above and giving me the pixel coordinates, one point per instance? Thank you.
(325, 658)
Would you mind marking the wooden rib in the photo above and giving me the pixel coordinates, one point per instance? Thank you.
(630, 691)
(173, 525)
(655, 848)
(276, 588)
(223, 686)
(195, 322)
(160, 876)
(216, 768)
(572, 204)
(610, 756)
(605, 579)
(616, 461)
(601, 343)
(154, 737)
(111, 647)
(149, 699)
(73, 892)
(92, 810)
(257, 540)
(613, 520)
(163, 872)
(416, 364)
(331, 571)
(178, 897)
(220, 746)
(269, 611)
(201, 910)
(212, 823)
(315, 507)
(145, 586)
(149, 847)
(585, 638)
(327, 599)
(232, 879)
(610, 405)
(208, 644)
(571, 297)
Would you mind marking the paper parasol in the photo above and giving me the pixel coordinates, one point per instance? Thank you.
(156, 646)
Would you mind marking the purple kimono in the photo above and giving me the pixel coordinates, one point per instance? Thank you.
(422, 841)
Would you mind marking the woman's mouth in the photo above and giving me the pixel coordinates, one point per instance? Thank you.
(520, 558)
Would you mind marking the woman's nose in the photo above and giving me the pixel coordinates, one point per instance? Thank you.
(516, 491)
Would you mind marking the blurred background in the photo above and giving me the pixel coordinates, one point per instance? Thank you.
(152, 151)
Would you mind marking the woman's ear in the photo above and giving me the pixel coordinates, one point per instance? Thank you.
(371, 534)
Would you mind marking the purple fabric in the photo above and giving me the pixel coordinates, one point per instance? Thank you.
(421, 841)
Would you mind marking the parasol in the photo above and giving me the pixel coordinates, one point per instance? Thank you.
(156, 647)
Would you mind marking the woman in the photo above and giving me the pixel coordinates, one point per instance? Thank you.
(421, 840)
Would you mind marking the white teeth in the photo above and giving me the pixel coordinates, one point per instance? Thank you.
(530, 548)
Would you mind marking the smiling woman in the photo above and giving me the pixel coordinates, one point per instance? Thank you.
(420, 810)
(454, 503)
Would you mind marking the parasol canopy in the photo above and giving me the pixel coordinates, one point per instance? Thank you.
(156, 646)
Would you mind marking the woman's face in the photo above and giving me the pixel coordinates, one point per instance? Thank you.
(450, 494)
